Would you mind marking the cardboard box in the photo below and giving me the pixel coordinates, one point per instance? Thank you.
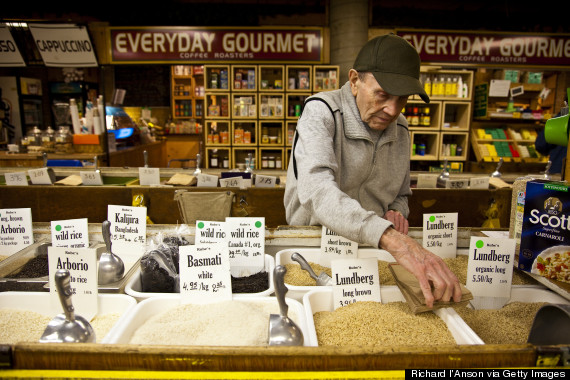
(89, 143)
(545, 237)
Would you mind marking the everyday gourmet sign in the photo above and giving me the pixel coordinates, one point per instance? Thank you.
(162, 44)
(490, 48)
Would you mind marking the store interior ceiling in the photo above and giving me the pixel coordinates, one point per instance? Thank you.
(494, 15)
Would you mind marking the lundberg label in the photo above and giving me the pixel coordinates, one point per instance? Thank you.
(545, 246)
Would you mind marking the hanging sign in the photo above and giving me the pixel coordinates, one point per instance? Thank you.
(175, 44)
(64, 45)
(9, 53)
(489, 48)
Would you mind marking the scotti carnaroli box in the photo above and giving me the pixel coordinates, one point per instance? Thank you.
(545, 238)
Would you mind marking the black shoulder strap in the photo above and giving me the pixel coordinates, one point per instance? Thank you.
(297, 135)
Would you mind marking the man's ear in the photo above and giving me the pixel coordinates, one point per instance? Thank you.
(354, 81)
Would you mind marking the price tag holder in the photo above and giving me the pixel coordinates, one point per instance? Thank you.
(427, 181)
(265, 180)
(41, 176)
(16, 179)
(128, 230)
(204, 274)
(231, 182)
(16, 230)
(246, 243)
(72, 233)
(440, 234)
(457, 184)
(207, 180)
(490, 271)
(355, 280)
(479, 183)
(89, 178)
(149, 176)
(82, 266)
(334, 247)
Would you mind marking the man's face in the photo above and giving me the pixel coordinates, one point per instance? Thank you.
(377, 108)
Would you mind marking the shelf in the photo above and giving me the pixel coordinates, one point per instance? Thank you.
(325, 78)
(217, 105)
(244, 78)
(244, 105)
(431, 141)
(244, 133)
(295, 103)
(216, 77)
(420, 107)
(217, 133)
(271, 106)
(271, 78)
(299, 78)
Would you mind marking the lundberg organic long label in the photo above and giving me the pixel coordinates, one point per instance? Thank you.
(545, 238)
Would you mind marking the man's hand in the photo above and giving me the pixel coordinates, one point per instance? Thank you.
(399, 221)
(427, 267)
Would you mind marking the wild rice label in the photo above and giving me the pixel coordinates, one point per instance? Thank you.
(545, 237)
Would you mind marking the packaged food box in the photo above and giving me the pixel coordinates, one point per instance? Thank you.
(312, 255)
(134, 286)
(111, 309)
(321, 299)
(545, 236)
(217, 322)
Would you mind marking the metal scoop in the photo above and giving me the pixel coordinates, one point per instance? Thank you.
(198, 162)
(68, 327)
(322, 279)
(282, 330)
(111, 267)
(551, 325)
(497, 173)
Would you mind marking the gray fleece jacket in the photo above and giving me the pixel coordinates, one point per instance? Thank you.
(348, 175)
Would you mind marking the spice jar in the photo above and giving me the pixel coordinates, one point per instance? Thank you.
(63, 140)
(264, 163)
(278, 163)
(214, 159)
(271, 162)
(35, 136)
(48, 140)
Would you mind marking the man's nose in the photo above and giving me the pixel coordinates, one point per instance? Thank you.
(393, 106)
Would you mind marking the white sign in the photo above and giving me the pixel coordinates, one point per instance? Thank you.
(246, 243)
(64, 45)
(479, 183)
(457, 184)
(231, 182)
(16, 230)
(128, 229)
(72, 233)
(355, 280)
(16, 179)
(209, 233)
(40, 176)
(334, 247)
(89, 178)
(204, 274)
(82, 266)
(490, 267)
(9, 53)
(440, 234)
(207, 180)
(265, 180)
(149, 176)
(427, 181)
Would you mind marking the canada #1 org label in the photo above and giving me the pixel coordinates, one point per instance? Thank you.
(545, 237)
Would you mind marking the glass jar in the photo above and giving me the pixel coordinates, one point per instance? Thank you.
(264, 163)
(271, 162)
(48, 140)
(63, 140)
(214, 159)
(35, 136)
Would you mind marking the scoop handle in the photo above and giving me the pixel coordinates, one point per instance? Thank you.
(304, 264)
(106, 231)
(280, 288)
(63, 286)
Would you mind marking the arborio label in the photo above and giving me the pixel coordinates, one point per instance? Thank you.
(545, 247)
(15, 230)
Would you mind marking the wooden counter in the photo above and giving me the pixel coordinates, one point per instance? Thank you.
(35, 160)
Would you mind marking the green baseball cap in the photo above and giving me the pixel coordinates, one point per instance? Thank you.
(395, 64)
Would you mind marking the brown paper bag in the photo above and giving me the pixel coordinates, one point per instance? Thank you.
(410, 288)
(210, 206)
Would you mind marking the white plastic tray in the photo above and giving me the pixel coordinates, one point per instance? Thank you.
(321, 299)
(155, 305)
(312, 255)
(40, 302)
(134, 286)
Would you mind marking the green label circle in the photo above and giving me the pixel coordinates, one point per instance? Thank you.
(58, 228)
(432, 218)
(201, 225)
(479, 244)
(258, 224)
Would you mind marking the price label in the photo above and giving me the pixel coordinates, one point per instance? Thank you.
(246, 243)
(427, 181)
(204, 274)
(82, 266)
(91, 178)
(457, 184)
(72, 233)
(40, 176)
(479, 183)
(334, 246)
(149, 176)
(16, 179)
(440, 234)
(355, 280)
(16, 230)
(128, 229)
(265, 181)
(490, 267)
(231, 182)
(207, 180)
